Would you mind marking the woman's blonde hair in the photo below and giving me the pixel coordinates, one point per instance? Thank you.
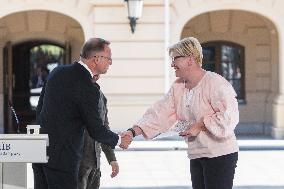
(189, 46)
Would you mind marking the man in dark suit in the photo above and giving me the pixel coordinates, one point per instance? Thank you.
(68, 104)
(89, 171)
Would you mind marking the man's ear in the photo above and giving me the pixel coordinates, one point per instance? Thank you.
(94, 61)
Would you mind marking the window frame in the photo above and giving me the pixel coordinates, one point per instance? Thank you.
(217, 45)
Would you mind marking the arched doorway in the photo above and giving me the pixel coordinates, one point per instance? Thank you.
(242, 47)
(32, 50)
(31, 63)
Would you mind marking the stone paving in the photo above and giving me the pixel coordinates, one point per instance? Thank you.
(164, 164)
(162, 167)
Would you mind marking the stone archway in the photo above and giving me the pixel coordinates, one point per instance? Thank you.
(79, 11)
(36, 26)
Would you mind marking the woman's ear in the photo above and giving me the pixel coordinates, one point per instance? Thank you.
(189, 61)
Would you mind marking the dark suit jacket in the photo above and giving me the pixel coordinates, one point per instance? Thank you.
(68, 103)
(92, 149)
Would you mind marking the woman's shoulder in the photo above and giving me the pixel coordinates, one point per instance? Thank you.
(215, 78)
(219, 83)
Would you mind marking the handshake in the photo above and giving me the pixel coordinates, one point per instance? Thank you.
(126, 138)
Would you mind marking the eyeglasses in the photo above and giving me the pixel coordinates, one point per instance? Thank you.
(176, 57)
(108, 58)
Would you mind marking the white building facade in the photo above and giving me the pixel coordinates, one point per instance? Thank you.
(141, 73)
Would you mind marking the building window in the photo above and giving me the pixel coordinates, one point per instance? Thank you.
(226, 59)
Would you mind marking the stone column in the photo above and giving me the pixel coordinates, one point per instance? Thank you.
(278, 105)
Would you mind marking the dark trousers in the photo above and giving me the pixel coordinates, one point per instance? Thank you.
(89, 178)
(213, 173)
(49, 178)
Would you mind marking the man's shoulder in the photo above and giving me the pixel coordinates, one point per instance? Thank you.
(75, 70)
(61, 69)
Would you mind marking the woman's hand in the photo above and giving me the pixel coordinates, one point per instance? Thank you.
(194, 129)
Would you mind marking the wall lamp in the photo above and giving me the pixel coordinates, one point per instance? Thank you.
(134, 12)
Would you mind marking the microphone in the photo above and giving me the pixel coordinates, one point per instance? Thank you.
(15, 116)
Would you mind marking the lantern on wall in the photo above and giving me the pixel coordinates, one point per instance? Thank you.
(134, 12)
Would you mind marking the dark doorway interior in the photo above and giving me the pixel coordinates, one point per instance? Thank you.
(31, 63)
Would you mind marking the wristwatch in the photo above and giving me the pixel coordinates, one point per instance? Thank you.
(132, 131)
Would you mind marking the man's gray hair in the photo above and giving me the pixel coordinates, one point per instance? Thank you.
(93, 45)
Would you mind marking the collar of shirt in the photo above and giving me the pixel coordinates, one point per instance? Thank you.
(87, 68)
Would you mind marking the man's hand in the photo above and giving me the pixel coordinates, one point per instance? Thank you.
(128, 133)
(127, 136)
(114, 168)
(194, 129)
(126, 140)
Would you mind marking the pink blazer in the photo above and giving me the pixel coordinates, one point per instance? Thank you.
(213, 100)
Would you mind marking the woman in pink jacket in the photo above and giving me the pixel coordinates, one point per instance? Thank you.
(205, 104)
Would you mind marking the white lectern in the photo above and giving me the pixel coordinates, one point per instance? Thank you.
(15, 151)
